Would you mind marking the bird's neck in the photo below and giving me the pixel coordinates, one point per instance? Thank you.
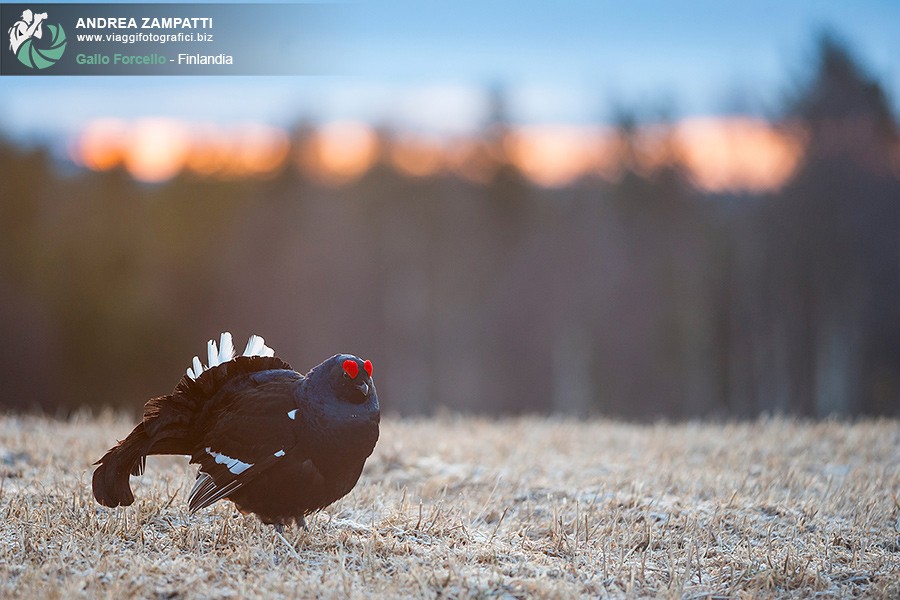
(348, 441)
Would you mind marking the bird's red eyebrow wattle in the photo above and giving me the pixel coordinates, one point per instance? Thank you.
(368, 367)
(351, 368)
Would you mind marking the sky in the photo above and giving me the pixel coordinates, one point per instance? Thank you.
(427, 65)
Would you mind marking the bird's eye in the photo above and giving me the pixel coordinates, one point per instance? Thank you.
(351, 369)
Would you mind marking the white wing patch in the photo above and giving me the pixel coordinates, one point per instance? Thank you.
(280, 453)
(224, 352)
(292, 414)
(234, 465)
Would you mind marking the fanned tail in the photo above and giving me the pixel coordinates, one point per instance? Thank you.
(166, 425)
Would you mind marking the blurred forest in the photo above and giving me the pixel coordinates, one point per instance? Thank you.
(640, 297)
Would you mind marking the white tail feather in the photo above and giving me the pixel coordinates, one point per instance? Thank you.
(212, 354)
(256, 346)
(198, 367)
(226, 348)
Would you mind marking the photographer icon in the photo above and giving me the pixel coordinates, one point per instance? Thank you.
(25, 29)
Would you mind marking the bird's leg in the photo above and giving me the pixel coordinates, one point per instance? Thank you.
(279, 528)
(303, 524)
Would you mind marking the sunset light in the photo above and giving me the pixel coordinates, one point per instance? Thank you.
(101, 145)
(340, 152)
(417, 156)
(250, 150)
(554, 156)
(738, 153)
(719, 154)
(155, 150)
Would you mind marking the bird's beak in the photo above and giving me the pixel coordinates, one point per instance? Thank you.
(364, 388)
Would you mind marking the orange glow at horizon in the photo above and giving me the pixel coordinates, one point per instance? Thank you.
(340, 152)
(555, 156)
(101, 146)
(155, 150)
(417, 156)
(250, 150)
(550, 156)
(720, 154)
(738, 153)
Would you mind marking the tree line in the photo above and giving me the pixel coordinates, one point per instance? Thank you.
(639, 298)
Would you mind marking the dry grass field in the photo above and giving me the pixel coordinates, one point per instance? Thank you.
(460, 507)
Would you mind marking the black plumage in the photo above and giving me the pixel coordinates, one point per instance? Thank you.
(276, 443)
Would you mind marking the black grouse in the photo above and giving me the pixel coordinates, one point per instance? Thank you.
(276, 443)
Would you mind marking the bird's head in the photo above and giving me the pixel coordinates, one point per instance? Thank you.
(350, 378)
(341, 389)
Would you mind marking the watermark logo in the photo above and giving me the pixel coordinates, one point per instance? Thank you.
(34, 47)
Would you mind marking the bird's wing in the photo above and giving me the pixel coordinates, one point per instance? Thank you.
(216, 480)
(255, 430)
